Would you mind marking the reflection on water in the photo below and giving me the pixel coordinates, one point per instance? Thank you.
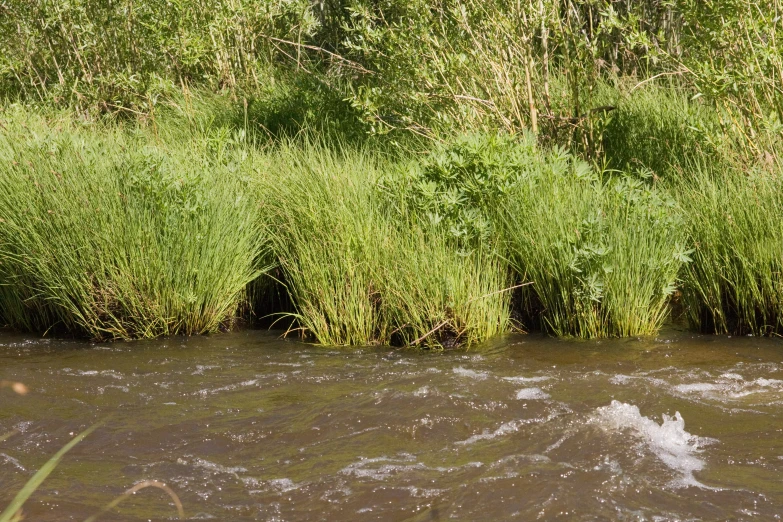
(246, 426)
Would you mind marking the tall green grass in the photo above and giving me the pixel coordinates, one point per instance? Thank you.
(735, 283)
(121, 231)
(603, 256)
(659, 130)
(361, 271)
(113, 235)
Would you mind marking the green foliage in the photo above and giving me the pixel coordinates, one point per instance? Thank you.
(603, 256)
(659, 130)
(457, 185)
(735, 283)
(122, 55)
(429, 69)
(361, 272)
(733, 53)
(105, 234)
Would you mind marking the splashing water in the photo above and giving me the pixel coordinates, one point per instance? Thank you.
(669, 441)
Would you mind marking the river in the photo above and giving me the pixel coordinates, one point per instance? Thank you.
(247, 426)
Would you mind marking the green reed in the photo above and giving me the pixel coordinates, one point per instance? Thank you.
(603, 256)
(359, 272)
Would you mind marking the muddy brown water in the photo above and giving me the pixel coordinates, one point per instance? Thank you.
(246, 426)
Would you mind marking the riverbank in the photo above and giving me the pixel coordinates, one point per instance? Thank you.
(132, 230)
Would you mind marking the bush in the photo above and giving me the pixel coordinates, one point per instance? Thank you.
(457, 186)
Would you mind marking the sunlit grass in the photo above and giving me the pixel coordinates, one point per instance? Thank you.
(603, 257)
(735, 284)
(114, 235)
(361, 271)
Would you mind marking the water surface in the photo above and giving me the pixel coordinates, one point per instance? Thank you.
(246, 426)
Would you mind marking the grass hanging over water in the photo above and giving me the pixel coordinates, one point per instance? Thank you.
(359, 270)
(114, 236)
(603, 256)
(735, 284)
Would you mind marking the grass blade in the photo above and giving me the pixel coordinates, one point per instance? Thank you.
(35, 481)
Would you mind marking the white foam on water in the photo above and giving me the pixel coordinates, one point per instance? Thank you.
(13, 461)
(425, 492)
(102, 389)
(280, 485)
(422, 392)
(701, 387)
(504, 429)
(92, 373)
(382, 468)
(366, 468)
(669, 441)
(520, 379)
(205, 392)
(211, 466)
(731, 386)
(283, 485)
(532, 394)
(200, 368)
(471, 374)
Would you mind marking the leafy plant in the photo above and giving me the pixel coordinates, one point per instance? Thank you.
(457, 185)
(603, 256)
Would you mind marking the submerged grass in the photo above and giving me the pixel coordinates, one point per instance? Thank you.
(114, 236)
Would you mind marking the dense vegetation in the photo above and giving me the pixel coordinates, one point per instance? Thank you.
(401, 172)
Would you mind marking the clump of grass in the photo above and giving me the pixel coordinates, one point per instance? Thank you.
(108, 234)
(327, 233)
(436, 294)
(603, 256)
(735, 283)
(360, 270)
(659, 130)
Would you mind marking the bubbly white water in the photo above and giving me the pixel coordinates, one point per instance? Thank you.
(471, 374)
(669, 441)
(532, 394)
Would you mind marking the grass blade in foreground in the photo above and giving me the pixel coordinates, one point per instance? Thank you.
(132, 491)
(35, 481)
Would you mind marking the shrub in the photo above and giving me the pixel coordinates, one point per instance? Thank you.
(457, 185)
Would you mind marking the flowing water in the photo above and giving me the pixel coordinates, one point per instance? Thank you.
(246, 426)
